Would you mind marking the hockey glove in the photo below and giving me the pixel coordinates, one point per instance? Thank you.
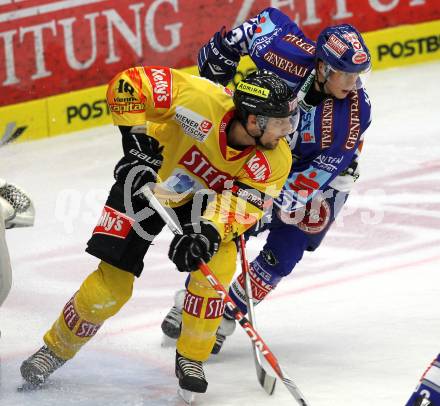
(198, 242)
(142, 155)
(345, 180)
(217, 61)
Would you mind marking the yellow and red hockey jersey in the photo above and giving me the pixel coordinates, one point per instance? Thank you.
(189, 116)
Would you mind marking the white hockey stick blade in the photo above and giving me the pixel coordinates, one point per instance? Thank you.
(187, 396)
(267, 381)
(293, 389)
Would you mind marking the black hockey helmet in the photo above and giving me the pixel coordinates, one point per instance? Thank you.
(264, 93)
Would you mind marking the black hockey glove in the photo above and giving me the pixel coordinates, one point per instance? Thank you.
(217, 61)
(142, 155)
(198, 242)
(352, 170)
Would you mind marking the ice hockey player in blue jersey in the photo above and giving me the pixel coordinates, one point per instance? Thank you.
(335, 112)
(427, 392)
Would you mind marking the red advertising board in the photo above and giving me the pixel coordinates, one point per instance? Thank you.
(49, 47)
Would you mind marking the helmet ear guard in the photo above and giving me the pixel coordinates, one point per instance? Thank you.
(262, 122)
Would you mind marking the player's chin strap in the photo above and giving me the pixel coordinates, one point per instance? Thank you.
(326, 75)
(310, 97)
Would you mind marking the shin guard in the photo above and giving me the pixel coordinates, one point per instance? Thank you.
(203, 308)
(101, 296)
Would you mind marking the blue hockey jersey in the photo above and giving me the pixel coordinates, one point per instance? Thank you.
(330, 136)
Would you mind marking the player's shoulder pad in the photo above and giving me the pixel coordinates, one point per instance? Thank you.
(125, 87)
(277, 17)
(293, 45)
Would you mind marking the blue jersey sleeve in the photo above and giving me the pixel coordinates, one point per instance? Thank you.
(243, 37)
(275, 42)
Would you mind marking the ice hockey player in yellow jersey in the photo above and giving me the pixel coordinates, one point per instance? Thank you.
(216, 159)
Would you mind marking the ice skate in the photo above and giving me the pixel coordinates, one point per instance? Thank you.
(37, 368)
(172, 322)
(191, 378)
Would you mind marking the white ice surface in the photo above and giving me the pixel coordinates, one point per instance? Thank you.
(355, 324)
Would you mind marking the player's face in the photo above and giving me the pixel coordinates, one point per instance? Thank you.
(276, 129)
(339, 84)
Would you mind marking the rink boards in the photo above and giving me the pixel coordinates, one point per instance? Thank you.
(83, 109)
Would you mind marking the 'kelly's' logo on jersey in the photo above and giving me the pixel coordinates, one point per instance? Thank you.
(258, 167)
(161, 82)
(113, 223)
(198, 164)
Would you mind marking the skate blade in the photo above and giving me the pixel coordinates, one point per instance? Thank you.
(187, 396)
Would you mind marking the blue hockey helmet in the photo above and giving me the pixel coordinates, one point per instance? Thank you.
(343, 48)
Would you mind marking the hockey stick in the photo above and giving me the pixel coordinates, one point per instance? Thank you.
(266, 381)
(239, 316)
